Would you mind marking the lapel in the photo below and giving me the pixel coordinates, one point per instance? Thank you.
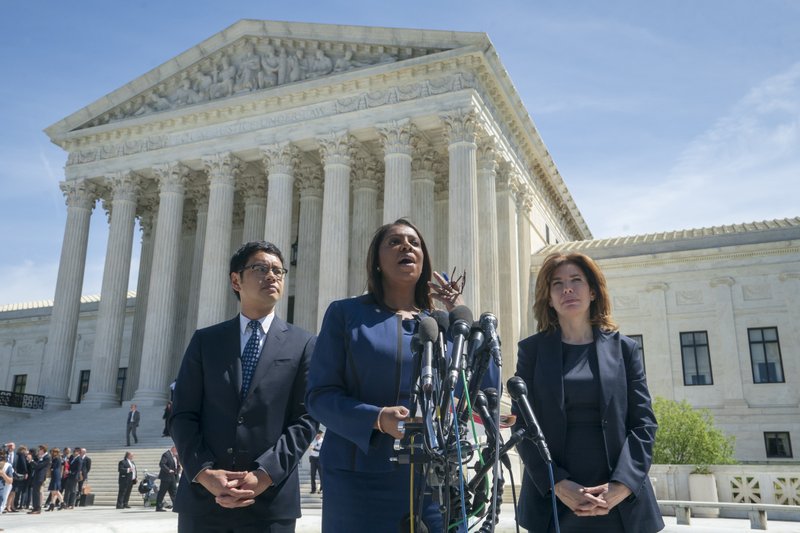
(229, 347)
(609, 360)
(273, 346)
(549, 363)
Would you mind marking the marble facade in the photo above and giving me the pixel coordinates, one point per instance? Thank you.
(303, 134)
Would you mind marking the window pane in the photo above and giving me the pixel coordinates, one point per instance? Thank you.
(755, 335)
(770, 334)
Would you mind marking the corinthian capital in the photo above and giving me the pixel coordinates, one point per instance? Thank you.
(309, 180)
(124, 185)
(280, 158)
(171, 177)
(397, 136)
(79, 193)
(336, 148)
(222, 167)
(461, 126)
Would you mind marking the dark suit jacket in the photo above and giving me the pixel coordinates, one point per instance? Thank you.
(75, 467)
(136, 417)
(628, 422)
(40, 468)
(86, 467)
(124, 475)
(20, 466)
(270, 429)
(168, 470)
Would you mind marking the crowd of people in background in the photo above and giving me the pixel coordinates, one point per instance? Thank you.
(24, 471)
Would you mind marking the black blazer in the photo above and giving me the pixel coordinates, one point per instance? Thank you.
(167, 468)
(135, 421)
(39, 470)
(628, 422)
(270, 429)
(124, 475)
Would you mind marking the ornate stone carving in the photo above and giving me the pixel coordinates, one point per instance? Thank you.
(336, 148)
(756, 292)
(689, 297)
(397, 136)
(252, 184)
(309, 180)
(624, 301)
(79, 193)
(461, 126)
(280, 158)
(171, 177)
(367, 172)
(656, 286)
(224, 166)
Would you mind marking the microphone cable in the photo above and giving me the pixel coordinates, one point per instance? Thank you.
(553, 496)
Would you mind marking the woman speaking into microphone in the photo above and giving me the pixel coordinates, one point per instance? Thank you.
(587, 386)
(359, 385)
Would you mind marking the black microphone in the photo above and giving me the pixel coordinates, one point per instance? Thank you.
(443, 320)
(460, 322)
(428, 333)
(519, 393)
(489, 326)
(481, 405)
(475, 343)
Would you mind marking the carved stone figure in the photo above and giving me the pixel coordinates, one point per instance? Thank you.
(203, 83)
(250, 66)
(223, 86)
(283, 67)
(184, 94)
(268, 76)
(320, 65)
(298, 65)
(346, 62)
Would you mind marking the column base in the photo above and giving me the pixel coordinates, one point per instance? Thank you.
(57, 404)
(102, 400)
(150, 398)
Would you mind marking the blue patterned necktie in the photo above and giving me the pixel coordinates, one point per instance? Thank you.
(250, 356)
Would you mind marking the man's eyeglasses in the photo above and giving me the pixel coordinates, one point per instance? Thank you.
(264, 270)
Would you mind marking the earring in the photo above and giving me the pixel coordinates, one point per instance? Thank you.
(379, 269)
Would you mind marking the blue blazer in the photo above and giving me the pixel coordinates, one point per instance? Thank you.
(270, 429)
(356, 370)
(628, 423)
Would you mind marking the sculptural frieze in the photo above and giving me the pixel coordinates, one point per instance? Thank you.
(252, 65)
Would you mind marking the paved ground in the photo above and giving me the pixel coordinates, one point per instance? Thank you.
(136, 520)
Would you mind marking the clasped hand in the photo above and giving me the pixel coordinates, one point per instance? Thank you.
(234, 489)
(591, 501)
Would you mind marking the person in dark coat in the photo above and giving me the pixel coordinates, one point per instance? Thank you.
(86, 467)
(127, 479)
(131, 423)
(588, 390)
(167, 414)
(238, 419)
(41, 465)
(169, 469)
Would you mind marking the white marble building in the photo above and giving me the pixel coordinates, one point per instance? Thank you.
(298, 133)
(717, 313)
(313, 135)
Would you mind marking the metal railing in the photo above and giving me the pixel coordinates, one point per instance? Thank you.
(25, 401)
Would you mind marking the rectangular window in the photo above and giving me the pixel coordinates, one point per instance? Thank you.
(640, 341)
(765, 355)
(20, 382)
(778, 444)
(83, 385)
(696, 358)
(122, 375)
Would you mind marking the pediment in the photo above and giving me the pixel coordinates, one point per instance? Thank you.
(252, 56)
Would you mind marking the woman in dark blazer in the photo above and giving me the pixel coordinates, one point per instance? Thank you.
(359, 385)
(588, 390)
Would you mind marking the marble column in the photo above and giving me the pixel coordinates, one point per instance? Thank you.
(664, 373)
(461, 129)
(308, 247)
(154, 378)
(508, 266)
(729, 374)
(199, 196)
(182, 289)
(487, 230)
(114, 293)
(236, 241)
(253, 187)
(147, 222)
(524, 206)
(365, 221)
(442, 216)
(398, 140)
(214, 282)
(423, 197)
(336, 151)
(280, 160)
(60, 348)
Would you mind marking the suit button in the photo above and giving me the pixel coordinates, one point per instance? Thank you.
(240, 420)
(229, 450)
(604, 422)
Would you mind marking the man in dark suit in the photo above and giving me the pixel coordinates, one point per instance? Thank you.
(131, 423)
(20, 478)
(86, 467)
(169, 470)
(127, 479)
(41, 466)
(238, 416)
(71, 493)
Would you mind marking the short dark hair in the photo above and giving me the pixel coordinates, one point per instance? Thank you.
(422, 293)
(243, 254)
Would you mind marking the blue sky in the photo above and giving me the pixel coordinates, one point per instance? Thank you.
(660, 115)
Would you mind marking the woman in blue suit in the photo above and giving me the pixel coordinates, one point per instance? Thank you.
(587, 386)
(359, 385)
